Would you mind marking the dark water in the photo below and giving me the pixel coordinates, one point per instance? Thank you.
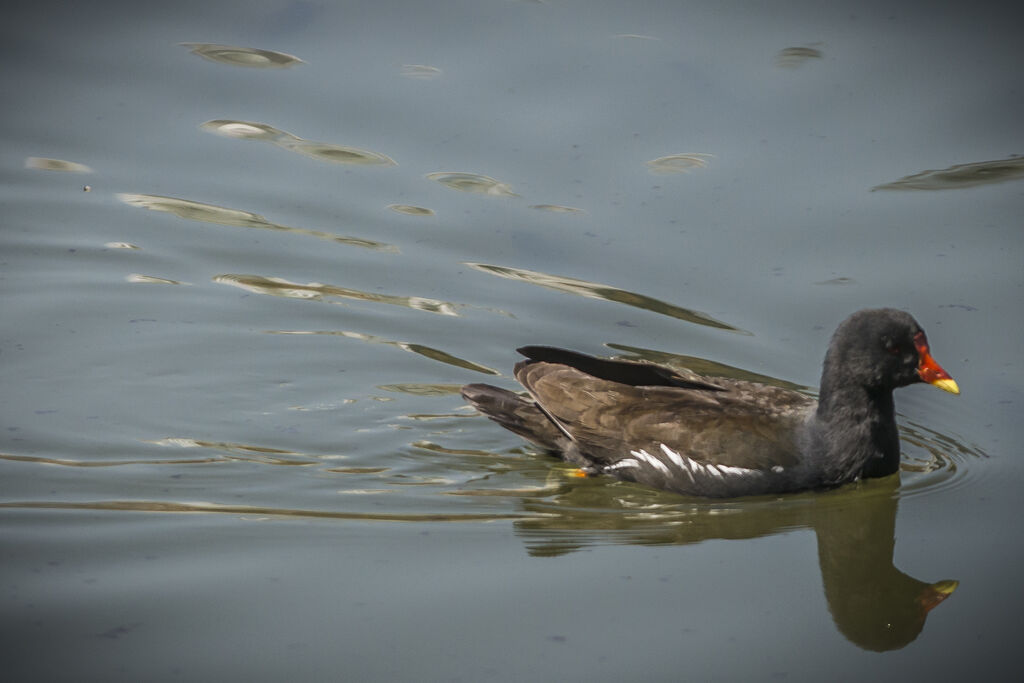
(240, 292)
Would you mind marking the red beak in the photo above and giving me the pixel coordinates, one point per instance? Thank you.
(931, 372)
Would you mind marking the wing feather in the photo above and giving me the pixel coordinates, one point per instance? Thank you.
(726, 424)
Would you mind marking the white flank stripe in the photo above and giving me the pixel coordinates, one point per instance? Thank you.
(651, 460)
(676, 459)
(691, 466)
(628, 462)
(688, 465)
(726, 469)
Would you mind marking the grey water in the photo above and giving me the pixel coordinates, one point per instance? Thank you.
(249, 251)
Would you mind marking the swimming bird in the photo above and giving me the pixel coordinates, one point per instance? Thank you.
(719, 437)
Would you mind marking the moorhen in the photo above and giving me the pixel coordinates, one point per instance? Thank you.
(721, 437)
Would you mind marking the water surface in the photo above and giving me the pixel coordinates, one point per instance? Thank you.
(250, 251)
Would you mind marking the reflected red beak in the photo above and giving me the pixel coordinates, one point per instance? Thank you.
(935, 593)
(931, 372)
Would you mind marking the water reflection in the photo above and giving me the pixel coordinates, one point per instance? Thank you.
(557, 208)
(678, 163)
(43, 164)
(961, 175)
(473, 183)
(255, 512)
(325, 151)
(152, 279)
(874, 604)
(243, 56)
(240, 451)
(421, 72)
(315, 291)
(792, 57)
(220, 215)
(411, 210)
(423, 389)
(594, 290)
(71, 462)
(420, 349)
(224, 451)
(634, 36)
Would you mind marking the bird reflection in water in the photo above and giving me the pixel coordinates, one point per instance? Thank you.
(873, 604)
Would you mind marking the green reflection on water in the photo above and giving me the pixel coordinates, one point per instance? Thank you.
(243, 56)
(275, 286)
(594, 290)
(220, 215)
(325, 151)
(420, 349)
(961, 175)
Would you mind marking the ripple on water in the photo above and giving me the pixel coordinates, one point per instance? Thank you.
(792, 57)
(678, 163)
(152, 279)
(243, 56)
(410, 210)
(221, 215)
(473, 183)
(544, 495)
(209, 452)
(325, 151)
(557, 208)
(411, 347)
(420, 72)
(258, 513)
(316, 291)
(595, 290)
(961, 175)
(44, 164)
(933, 462)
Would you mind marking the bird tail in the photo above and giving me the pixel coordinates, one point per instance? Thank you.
(516, 413)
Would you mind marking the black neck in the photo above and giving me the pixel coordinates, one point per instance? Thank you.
(856, 432)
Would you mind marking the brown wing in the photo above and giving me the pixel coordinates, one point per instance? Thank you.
(731, 423)
(634, 373)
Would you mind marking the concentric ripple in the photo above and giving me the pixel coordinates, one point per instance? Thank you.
(933, 462)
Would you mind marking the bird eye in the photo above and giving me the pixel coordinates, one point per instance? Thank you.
(893, 348)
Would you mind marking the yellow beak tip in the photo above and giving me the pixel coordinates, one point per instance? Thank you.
(947, 385)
